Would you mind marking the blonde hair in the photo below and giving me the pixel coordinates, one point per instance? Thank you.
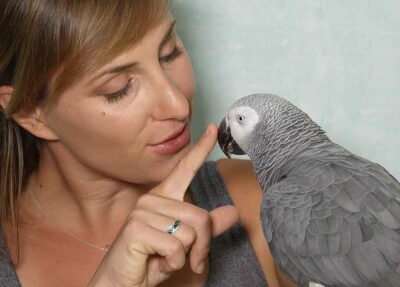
(45, 46)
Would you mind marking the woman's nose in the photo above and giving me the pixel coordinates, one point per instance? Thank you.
(171, 102)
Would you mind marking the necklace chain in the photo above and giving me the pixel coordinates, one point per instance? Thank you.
(105, 249)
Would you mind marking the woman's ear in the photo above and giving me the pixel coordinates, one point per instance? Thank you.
(30, 119)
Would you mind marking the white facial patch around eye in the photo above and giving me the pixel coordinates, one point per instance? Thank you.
(242, 120)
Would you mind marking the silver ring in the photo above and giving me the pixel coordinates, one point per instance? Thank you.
(174, 226)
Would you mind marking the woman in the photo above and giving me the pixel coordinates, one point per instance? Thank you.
(96, 101)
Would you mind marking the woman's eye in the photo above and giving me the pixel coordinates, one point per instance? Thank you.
(172, 56)
(115, 97)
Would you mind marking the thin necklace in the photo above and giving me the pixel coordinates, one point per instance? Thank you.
(104, 249)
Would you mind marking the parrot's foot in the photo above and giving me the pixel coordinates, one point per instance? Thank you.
(312, 284)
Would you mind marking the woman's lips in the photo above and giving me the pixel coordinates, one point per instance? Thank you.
(173, 145)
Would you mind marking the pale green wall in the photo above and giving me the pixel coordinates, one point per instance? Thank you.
(338, 60)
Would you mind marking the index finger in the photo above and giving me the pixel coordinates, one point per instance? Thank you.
(177, 182)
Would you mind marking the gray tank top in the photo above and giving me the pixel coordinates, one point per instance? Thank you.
(232, 259)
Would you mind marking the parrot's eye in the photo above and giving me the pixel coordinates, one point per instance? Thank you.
(240, 119)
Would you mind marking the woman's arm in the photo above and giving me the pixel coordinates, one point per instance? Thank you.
(283, 280)
(243, 187)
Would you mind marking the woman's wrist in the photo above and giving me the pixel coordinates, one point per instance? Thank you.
(103, 279)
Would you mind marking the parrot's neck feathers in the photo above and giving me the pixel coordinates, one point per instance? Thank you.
(283, 148)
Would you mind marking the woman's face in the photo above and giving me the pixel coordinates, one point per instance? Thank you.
(109, 119)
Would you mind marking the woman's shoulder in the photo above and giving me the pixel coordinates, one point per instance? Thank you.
(238, 174)
(242, 185)
(241, 182)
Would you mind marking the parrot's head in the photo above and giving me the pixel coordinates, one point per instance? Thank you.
(236, 130)
(258, 123)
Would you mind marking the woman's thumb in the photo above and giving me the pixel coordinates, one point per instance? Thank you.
(223, 218)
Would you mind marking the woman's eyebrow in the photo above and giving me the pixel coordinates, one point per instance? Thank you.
(167, 35)
(115, 70)
(123, 67)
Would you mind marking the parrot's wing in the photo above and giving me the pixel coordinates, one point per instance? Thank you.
(285, 212)
(335, 222)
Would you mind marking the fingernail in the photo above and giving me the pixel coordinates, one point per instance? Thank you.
(200, 267)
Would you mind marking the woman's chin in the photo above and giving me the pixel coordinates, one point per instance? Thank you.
(165, 165)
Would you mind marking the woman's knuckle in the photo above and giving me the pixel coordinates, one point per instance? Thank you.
(175, 246)
(189, 237)
(192, 235)
(203, 217)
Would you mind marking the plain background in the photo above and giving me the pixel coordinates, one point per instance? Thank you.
(339, 61)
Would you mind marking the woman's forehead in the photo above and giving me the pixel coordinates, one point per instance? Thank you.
(155, 38)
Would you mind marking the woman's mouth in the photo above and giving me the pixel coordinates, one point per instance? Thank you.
(174, 144)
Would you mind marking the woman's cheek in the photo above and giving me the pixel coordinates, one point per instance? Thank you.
(191, 79)
(184, 77)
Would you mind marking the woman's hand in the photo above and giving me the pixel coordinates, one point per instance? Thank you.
(144, 254)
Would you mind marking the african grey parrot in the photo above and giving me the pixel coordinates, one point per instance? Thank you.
(329, 216)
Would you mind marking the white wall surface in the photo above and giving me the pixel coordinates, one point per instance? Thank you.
(337, 60)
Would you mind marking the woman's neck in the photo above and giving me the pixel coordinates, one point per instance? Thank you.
(77, 199)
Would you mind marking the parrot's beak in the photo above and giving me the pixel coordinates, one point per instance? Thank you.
(226, 142)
